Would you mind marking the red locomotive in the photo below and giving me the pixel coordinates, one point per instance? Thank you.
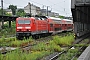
(41, 25)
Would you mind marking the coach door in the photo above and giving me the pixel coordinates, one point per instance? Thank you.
(63, 25)
(51, 27)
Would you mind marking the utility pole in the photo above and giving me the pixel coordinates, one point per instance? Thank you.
(43, 7)
(30, 8)
(2, 6)
(47, 10)
(2, 12)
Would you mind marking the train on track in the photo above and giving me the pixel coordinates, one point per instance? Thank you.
(41, 25)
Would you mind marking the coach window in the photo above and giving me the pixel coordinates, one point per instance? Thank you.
(68, 22)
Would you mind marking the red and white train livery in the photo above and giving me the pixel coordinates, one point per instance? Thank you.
(36, 26)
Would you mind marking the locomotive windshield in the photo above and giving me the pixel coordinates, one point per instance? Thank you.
(23, 21)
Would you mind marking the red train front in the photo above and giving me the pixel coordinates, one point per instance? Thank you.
(23, 27)
(34, 26)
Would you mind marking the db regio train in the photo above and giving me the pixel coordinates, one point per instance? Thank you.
(41, 25)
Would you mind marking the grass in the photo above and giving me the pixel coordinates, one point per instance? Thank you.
(69, 55)
(8, 31)
(19, 55)
(64, 41)
(19, 43)
(36, 52)
(46, 47)
(13, 42)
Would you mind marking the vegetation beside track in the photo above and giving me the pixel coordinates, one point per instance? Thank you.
(19, 55)
(37, 51)
(74, 52)
(8, 31)
(64, 41)
(13, 42)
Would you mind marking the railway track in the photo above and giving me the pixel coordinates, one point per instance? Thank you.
(74, 52)
(56, 55)
(81, 49)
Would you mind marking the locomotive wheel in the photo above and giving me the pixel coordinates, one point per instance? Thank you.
(27, 37)
(36, 36)
(20, 37)
(33, 36)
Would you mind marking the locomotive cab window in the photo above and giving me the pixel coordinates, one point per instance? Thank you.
(20, 21)
(23, 21)
(27, 21)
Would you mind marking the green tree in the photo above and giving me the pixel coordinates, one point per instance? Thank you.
(4, 13)
(13, 8)
(20, 10)
(21, 13)
(61, 17)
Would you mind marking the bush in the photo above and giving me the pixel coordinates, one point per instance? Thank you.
(64, 41)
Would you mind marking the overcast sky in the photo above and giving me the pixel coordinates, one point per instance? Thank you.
(63, 7)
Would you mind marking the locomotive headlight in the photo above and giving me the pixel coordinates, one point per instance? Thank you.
(19, 27)
(29, 30)
(28, 27)
(17, 30)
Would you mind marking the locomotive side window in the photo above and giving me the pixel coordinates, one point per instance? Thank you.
(23, 21)
(68, 22)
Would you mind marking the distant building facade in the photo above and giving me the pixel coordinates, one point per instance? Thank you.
(49, 13)
(43, 12)
(35, 10)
